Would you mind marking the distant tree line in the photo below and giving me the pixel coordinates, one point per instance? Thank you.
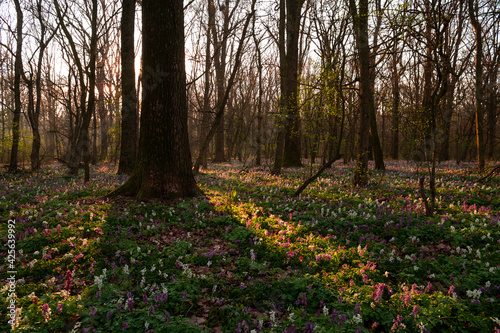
(275, 83)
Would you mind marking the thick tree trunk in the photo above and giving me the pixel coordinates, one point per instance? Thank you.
(18, 68)
(365, 91)
(289, 84)
(129, 126)
(163, 168)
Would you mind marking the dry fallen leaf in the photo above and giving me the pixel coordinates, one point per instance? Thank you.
(196, 320)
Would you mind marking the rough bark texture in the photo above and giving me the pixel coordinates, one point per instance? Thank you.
(163, 168)
(360, 20)
(290, 84)
(128, 147)
(18, 67)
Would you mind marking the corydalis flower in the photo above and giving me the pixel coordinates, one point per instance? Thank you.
(46, 312)
(397, 323)
(377, 294)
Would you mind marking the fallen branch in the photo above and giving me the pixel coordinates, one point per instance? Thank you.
(494, 172)
(313, 178)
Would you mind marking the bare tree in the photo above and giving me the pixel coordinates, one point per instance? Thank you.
(288, 140)
(80, 143)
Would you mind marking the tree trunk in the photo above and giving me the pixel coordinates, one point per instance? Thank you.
(163, 167)
(18, 68)
(129, 126)
(492, 109)
(395, 103)
(289, 59)
(205, 120)
(447, 116)
(220, 74)
(102, 110)
(479, 85)
(258, 153)
(376, 147)
(365, 92)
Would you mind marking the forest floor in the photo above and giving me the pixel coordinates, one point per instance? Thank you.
(249, 257)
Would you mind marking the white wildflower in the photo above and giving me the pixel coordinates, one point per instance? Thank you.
(325, 310)
(98, 281)
(357, 319)
(32, 263)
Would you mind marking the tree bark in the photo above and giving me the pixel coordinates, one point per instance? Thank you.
(129, 126)
(479, 85)
(163, 168)
(18, 68)
(289, 59)
(360, 20)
